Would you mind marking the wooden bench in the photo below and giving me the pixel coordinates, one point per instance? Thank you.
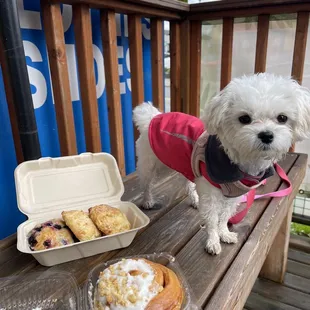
(218, 282)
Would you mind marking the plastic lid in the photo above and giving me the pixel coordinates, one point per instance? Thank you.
(50, 184)
(40, 291)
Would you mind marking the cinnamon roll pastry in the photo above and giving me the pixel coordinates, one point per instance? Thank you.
(81, 225)
(133, 284)
(109, 220)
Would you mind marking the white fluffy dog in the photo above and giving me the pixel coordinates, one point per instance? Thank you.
(255, 120)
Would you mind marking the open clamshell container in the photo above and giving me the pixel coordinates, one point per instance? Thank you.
(165, 259)
(48, 186)
(36, 291)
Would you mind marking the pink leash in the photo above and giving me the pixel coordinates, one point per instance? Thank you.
(250, 197)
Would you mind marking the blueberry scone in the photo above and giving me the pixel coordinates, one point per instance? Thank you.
(81, 225)
(51, 234)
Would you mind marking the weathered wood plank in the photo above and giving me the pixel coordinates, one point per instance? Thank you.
(282, 294)
(120, 6)
(108, 31)
(236, 285)
(185, 66)
(298, 269)
(227, 49)
(258, 302)
(261, 43)
(55, 42)
(195, 67)
(157, 63)
(136, 59)
(213, 14)
(203, 280)
(274, 267)
(299, 256)
(84, 52)
(301, 243)
(298, 283)
(175, 71)
(300, 46)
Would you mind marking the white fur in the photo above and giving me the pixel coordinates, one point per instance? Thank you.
(263, 97)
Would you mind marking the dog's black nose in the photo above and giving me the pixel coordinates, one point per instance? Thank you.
(266, 137)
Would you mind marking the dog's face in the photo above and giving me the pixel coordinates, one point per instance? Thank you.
(259, 116)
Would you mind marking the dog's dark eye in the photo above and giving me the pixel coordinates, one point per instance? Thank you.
(245, 119)
(282, 118)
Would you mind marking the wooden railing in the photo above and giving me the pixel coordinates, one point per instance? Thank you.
(185, 52)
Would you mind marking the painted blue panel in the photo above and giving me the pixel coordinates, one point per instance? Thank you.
(39, 75)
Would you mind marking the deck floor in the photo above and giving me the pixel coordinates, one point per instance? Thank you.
(294, 294)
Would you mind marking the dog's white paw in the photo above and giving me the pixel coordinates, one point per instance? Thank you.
(213, 248)
(195, 204)
(229, 237)
(147, 205)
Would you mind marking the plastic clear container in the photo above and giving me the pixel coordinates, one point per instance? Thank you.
(165, 259)
(48, 186)
(35, 291)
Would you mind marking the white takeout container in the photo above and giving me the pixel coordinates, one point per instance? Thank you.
(48, 186)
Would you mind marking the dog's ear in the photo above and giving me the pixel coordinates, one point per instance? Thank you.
(302, 125)
(214, 112)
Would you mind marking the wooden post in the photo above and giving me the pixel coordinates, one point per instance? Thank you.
(108, 29)
(261, 43)
(84, 51)
(175, 71)
(227, 46)
(157, 63)
(274, 267)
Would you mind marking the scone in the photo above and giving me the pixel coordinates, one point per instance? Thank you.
(51, 234)
(138, 284)
(109, 220)
(81, 225)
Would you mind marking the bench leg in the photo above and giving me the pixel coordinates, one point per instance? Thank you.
(274, 267)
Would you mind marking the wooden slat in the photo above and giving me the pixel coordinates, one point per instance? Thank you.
(300, 243)
(274, 267)
(298, 283)
(261, 43)
(204, 280)
(157, 63)
(173, 5)
(11, 109)
(84, 51)
(212, 14)
(195, 67)
(299, 256)
(282, 294)
(185, 66)
(120, 6)
(136, 61)
(239, 4)
(108, 29)
(175, 66)
(258, 302)
(300, 46)
(227, 46)
(236, 285)
(298, 269)
(56, 48)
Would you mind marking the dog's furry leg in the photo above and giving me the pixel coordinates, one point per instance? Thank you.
(192, 194)
(229, 208)
(209, 206)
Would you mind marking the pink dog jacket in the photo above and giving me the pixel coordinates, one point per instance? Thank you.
(181, 143)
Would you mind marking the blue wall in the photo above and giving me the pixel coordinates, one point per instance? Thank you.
(38, 70)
